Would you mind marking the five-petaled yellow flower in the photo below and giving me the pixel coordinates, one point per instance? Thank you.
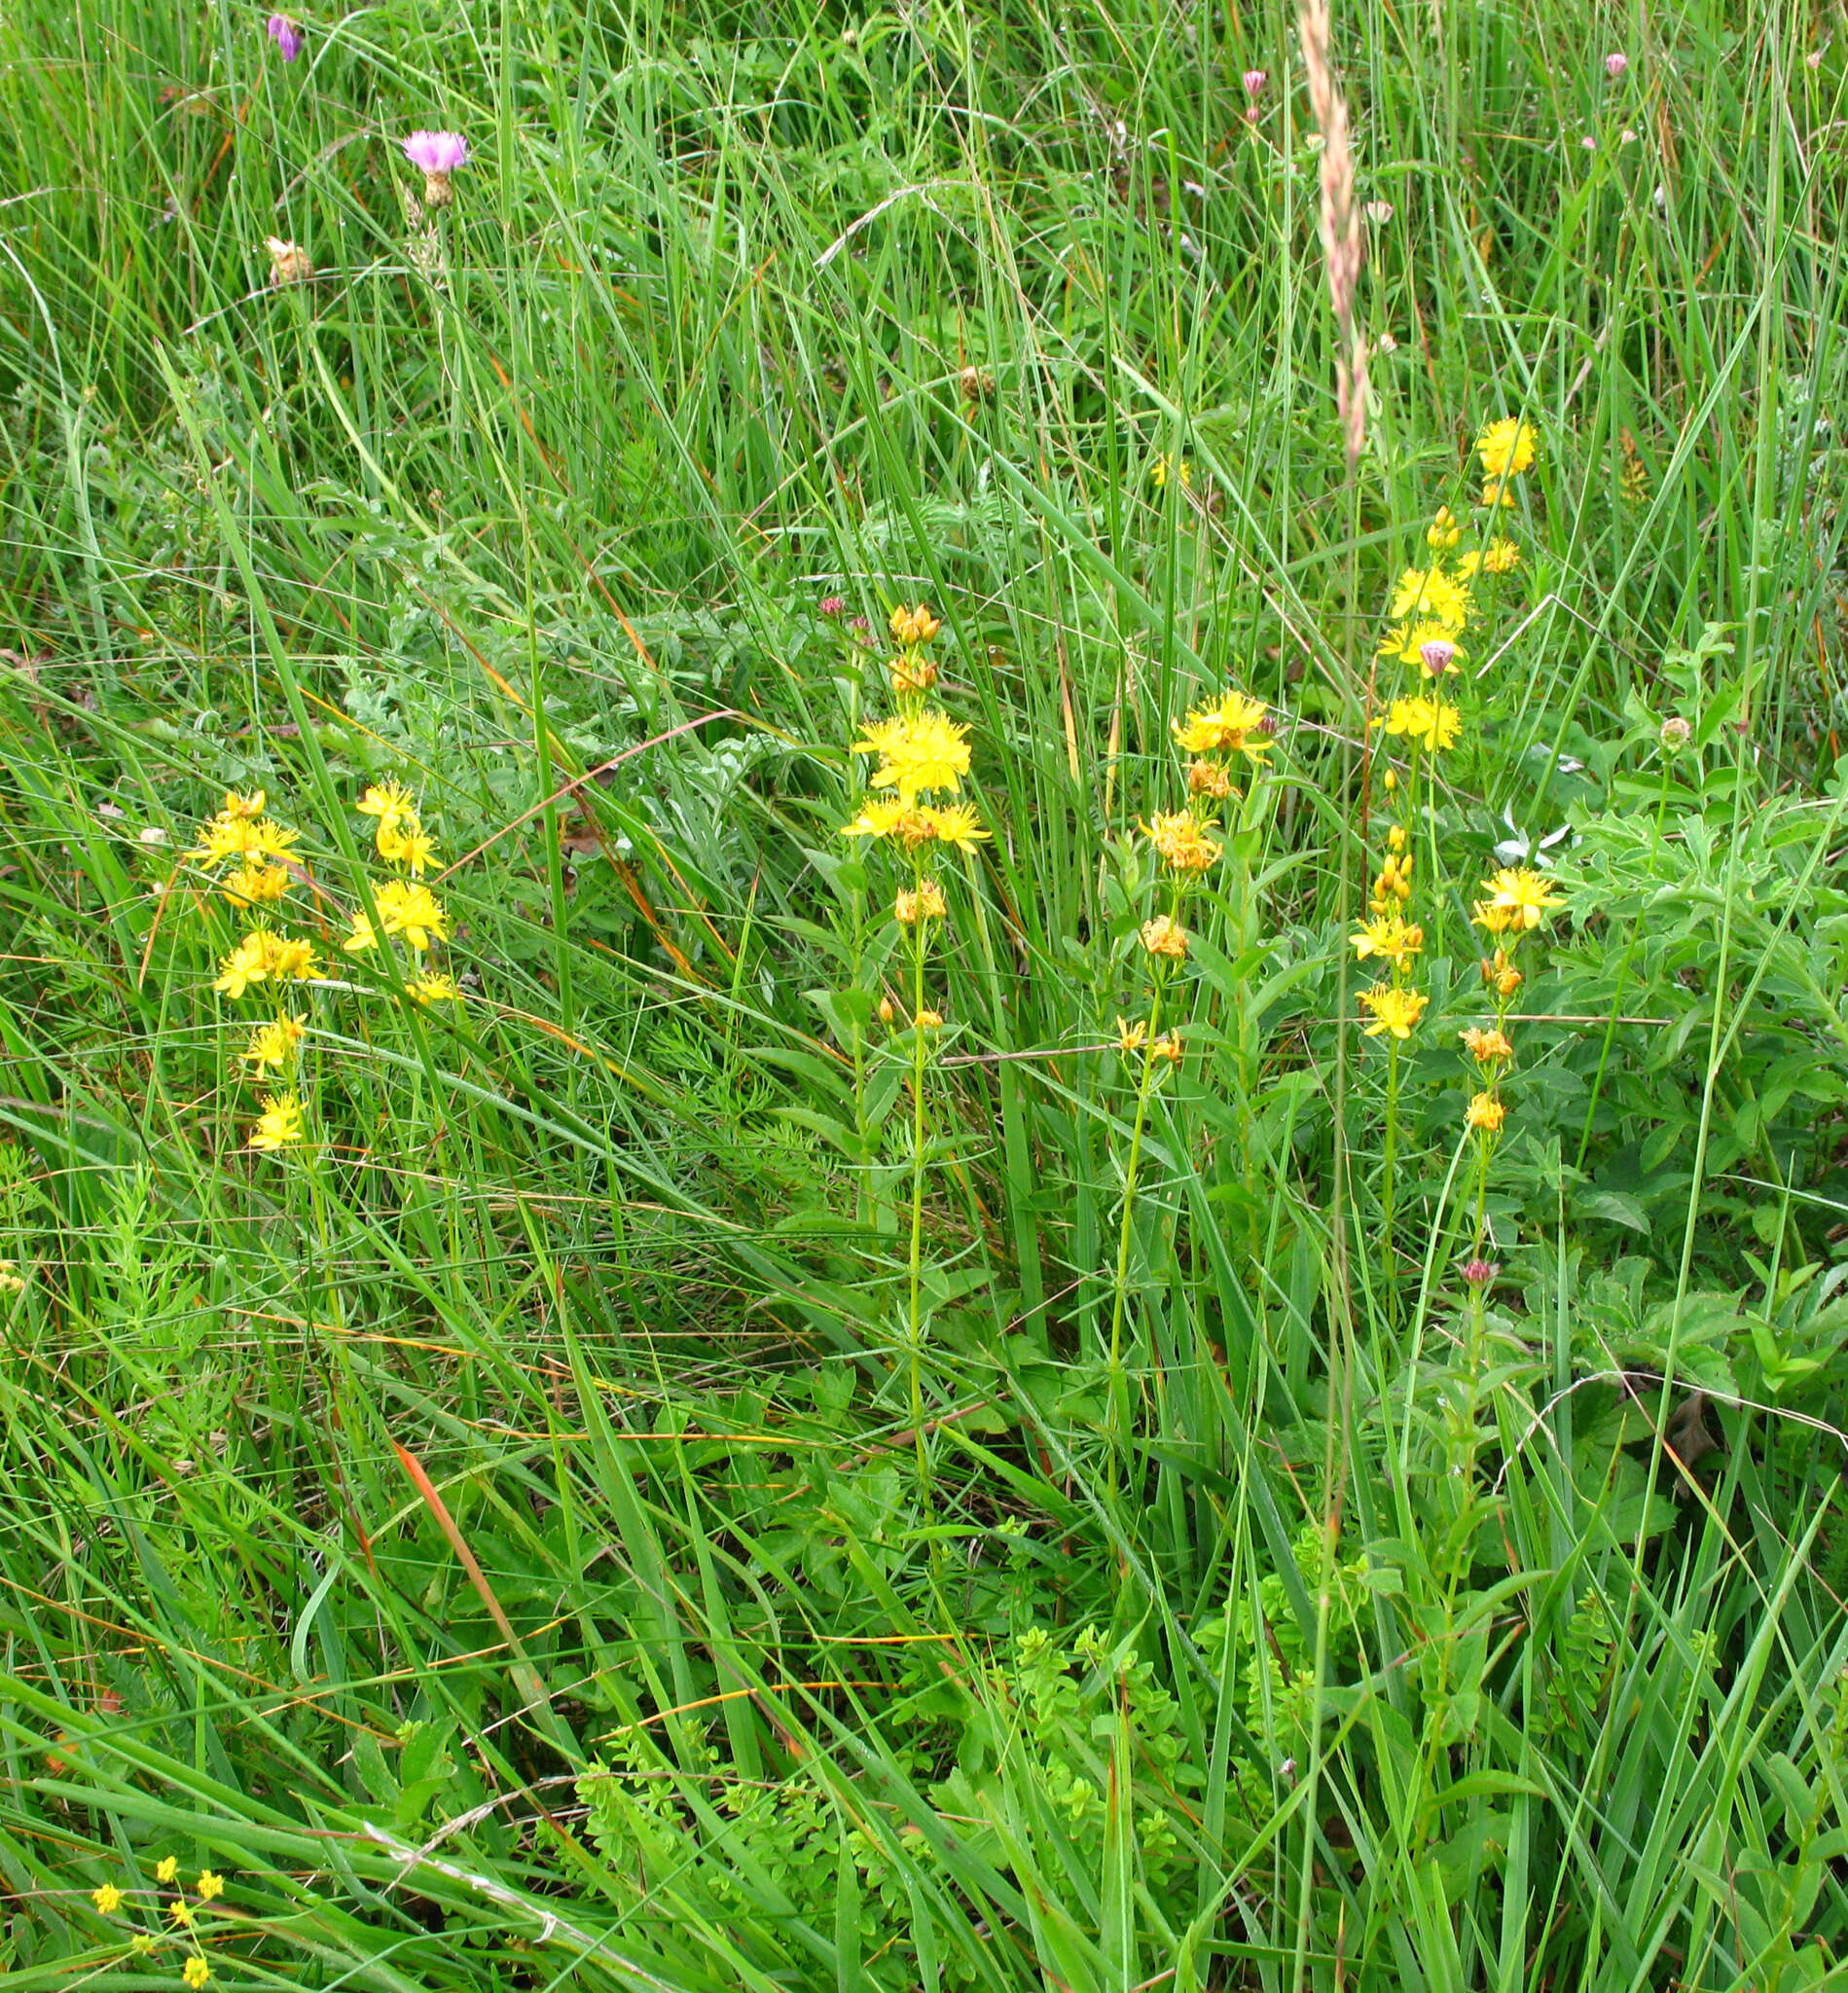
(1431, 722)
(1505, 447)
(388, 801)
(280, 1124)
(412, 911)
(1393, 940)
(251, 805)
(1518, 901)
(436, 990)
(925, 751)
(1231, 724)
(273, 1044)
(1429, 594)
(403, 841)
(1395, 1010)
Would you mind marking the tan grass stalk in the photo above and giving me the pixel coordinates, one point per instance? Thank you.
(1340, 219)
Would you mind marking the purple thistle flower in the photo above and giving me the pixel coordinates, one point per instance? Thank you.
(286, 35)
(437, 153)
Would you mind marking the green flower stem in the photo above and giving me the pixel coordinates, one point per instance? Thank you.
(1389, 1168)
(915, 1338)
(1118, 1395)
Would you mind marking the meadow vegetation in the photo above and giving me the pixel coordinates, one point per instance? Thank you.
(923, 1002)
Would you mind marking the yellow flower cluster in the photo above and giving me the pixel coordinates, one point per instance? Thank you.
(262, 851)
(1506, 449)
(109, 1899)
(923, 754)
(1515, 901)
(407, 908)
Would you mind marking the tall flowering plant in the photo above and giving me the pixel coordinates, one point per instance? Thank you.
(922, 757)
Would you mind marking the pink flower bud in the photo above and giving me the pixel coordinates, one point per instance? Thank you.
(1616, 63)
(286, 35)
(1255, 81)
(1436, 656)
(1479, 1272)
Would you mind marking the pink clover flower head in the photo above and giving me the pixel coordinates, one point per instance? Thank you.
(286, 35)
(1255, 81)
(832, 606)
(1436, 656)
(439, 154)
(1616, 63)
(1480, 1273)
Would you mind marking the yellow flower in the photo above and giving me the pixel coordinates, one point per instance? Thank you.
(196, 1973)
(1500, 975)
(167, 1869)
(273, 1044)
(1389, 937)
(1431, 722)
(10, 1280)
(958, 824)
(292, 959)
(250, 805)
(1396, 837)
(271, 841)
(107, 1899)
(256, 884)
(1429, 594)
(1160, 469)
(915, 625)
(209, 1885)
(412, 911)
(1496, 492)
(1231, 724)
(927, 751)
(1164, 937)
(1499, 557)
(1485, 1112)
(141, 1944)
(1167, 1048)
(1393, 884)
(1505, 447)
(403, 841)
(1208, 779)
(1518, 900)
(248, 962)
(1131, 1038)
(1182, 843)
(930, 1020)
(388, 801)
(927, 903)
(181, 1912)
(280, 1124)
(436, 990)
(1394, 1009)
(1487, 1047)
(912, 675)
(362, 937)
(1444, 532)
